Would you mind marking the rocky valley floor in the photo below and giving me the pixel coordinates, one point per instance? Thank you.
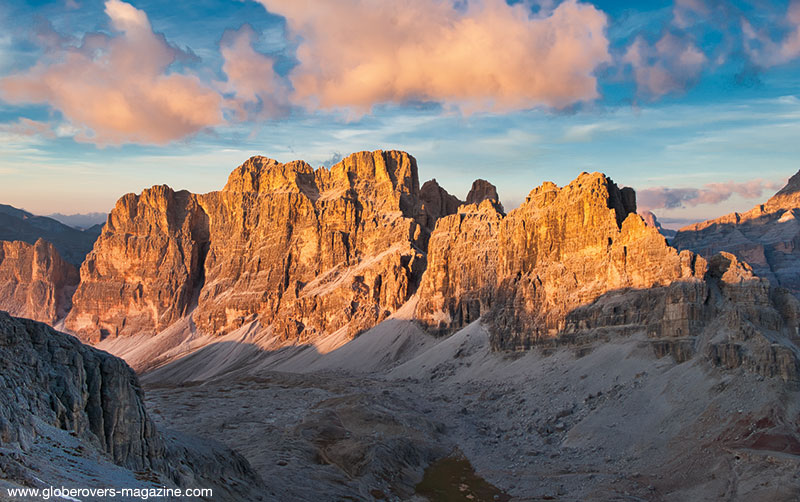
(608, 422)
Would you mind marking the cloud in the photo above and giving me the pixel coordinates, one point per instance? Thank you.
(258, 90)
(672, 64)
(475, 56)
(712, 193)
(117, 89)
(335, 158)
(764, 51)
(27, 127)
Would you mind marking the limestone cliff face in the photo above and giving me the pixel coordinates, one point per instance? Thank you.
(310, 251)
(767, 237)
(461, 278)
(562, 248)
(302, 250)
(575, 264)
(146, 267)
(35, 282)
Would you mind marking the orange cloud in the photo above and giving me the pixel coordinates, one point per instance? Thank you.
(117, 89)
(485, 55)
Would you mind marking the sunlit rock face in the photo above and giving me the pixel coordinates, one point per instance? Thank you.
(767, 237)
(576, 264)
(35, 282)
(562, 248)
(146, 267)
(309, 251)
(303, 250)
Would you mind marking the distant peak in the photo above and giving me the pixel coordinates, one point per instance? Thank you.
(788, 196)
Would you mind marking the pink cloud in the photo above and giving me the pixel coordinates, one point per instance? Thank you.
(118, 89)
(258, 91)
(482, 55)
(766, 52)
(711, 193)
(670, 65)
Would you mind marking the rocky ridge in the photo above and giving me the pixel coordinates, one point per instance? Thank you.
(576, 263)
(303, 251)
(767, 237)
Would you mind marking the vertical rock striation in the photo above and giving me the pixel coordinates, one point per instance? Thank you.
(146, 267)
(302, 250)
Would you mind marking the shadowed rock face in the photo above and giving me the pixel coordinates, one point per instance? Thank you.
(303, 250)
(483, 190)
(51, 378)
(767, 237)
(35, 282)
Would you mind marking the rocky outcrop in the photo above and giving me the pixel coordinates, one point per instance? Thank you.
(483, 190)
(436, 203)
(35, 282)
(72, 244)
(767, 237)
(461, 278)
(577, 264)
(49, 379)
(309, 251)
(564, 247)
(146, 268)
(302, 250)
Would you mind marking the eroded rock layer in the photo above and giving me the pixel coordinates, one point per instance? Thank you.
(35, 282)
(50, 379)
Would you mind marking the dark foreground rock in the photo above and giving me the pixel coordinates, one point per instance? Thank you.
(56, 393)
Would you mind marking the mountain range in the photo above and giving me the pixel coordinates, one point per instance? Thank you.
(565, 349)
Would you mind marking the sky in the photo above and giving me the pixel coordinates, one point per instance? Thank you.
(694, 103)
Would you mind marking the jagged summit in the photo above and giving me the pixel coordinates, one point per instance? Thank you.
(302, 250)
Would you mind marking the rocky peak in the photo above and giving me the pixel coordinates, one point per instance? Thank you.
(436, 203)
(35, 282)
(483, 190)
(146, 267)
(262, 174)
(302, 250)
(562, 248)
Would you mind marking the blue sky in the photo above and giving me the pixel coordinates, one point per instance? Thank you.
(695, 104)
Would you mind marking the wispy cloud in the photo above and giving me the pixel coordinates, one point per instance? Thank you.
(711, 193)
